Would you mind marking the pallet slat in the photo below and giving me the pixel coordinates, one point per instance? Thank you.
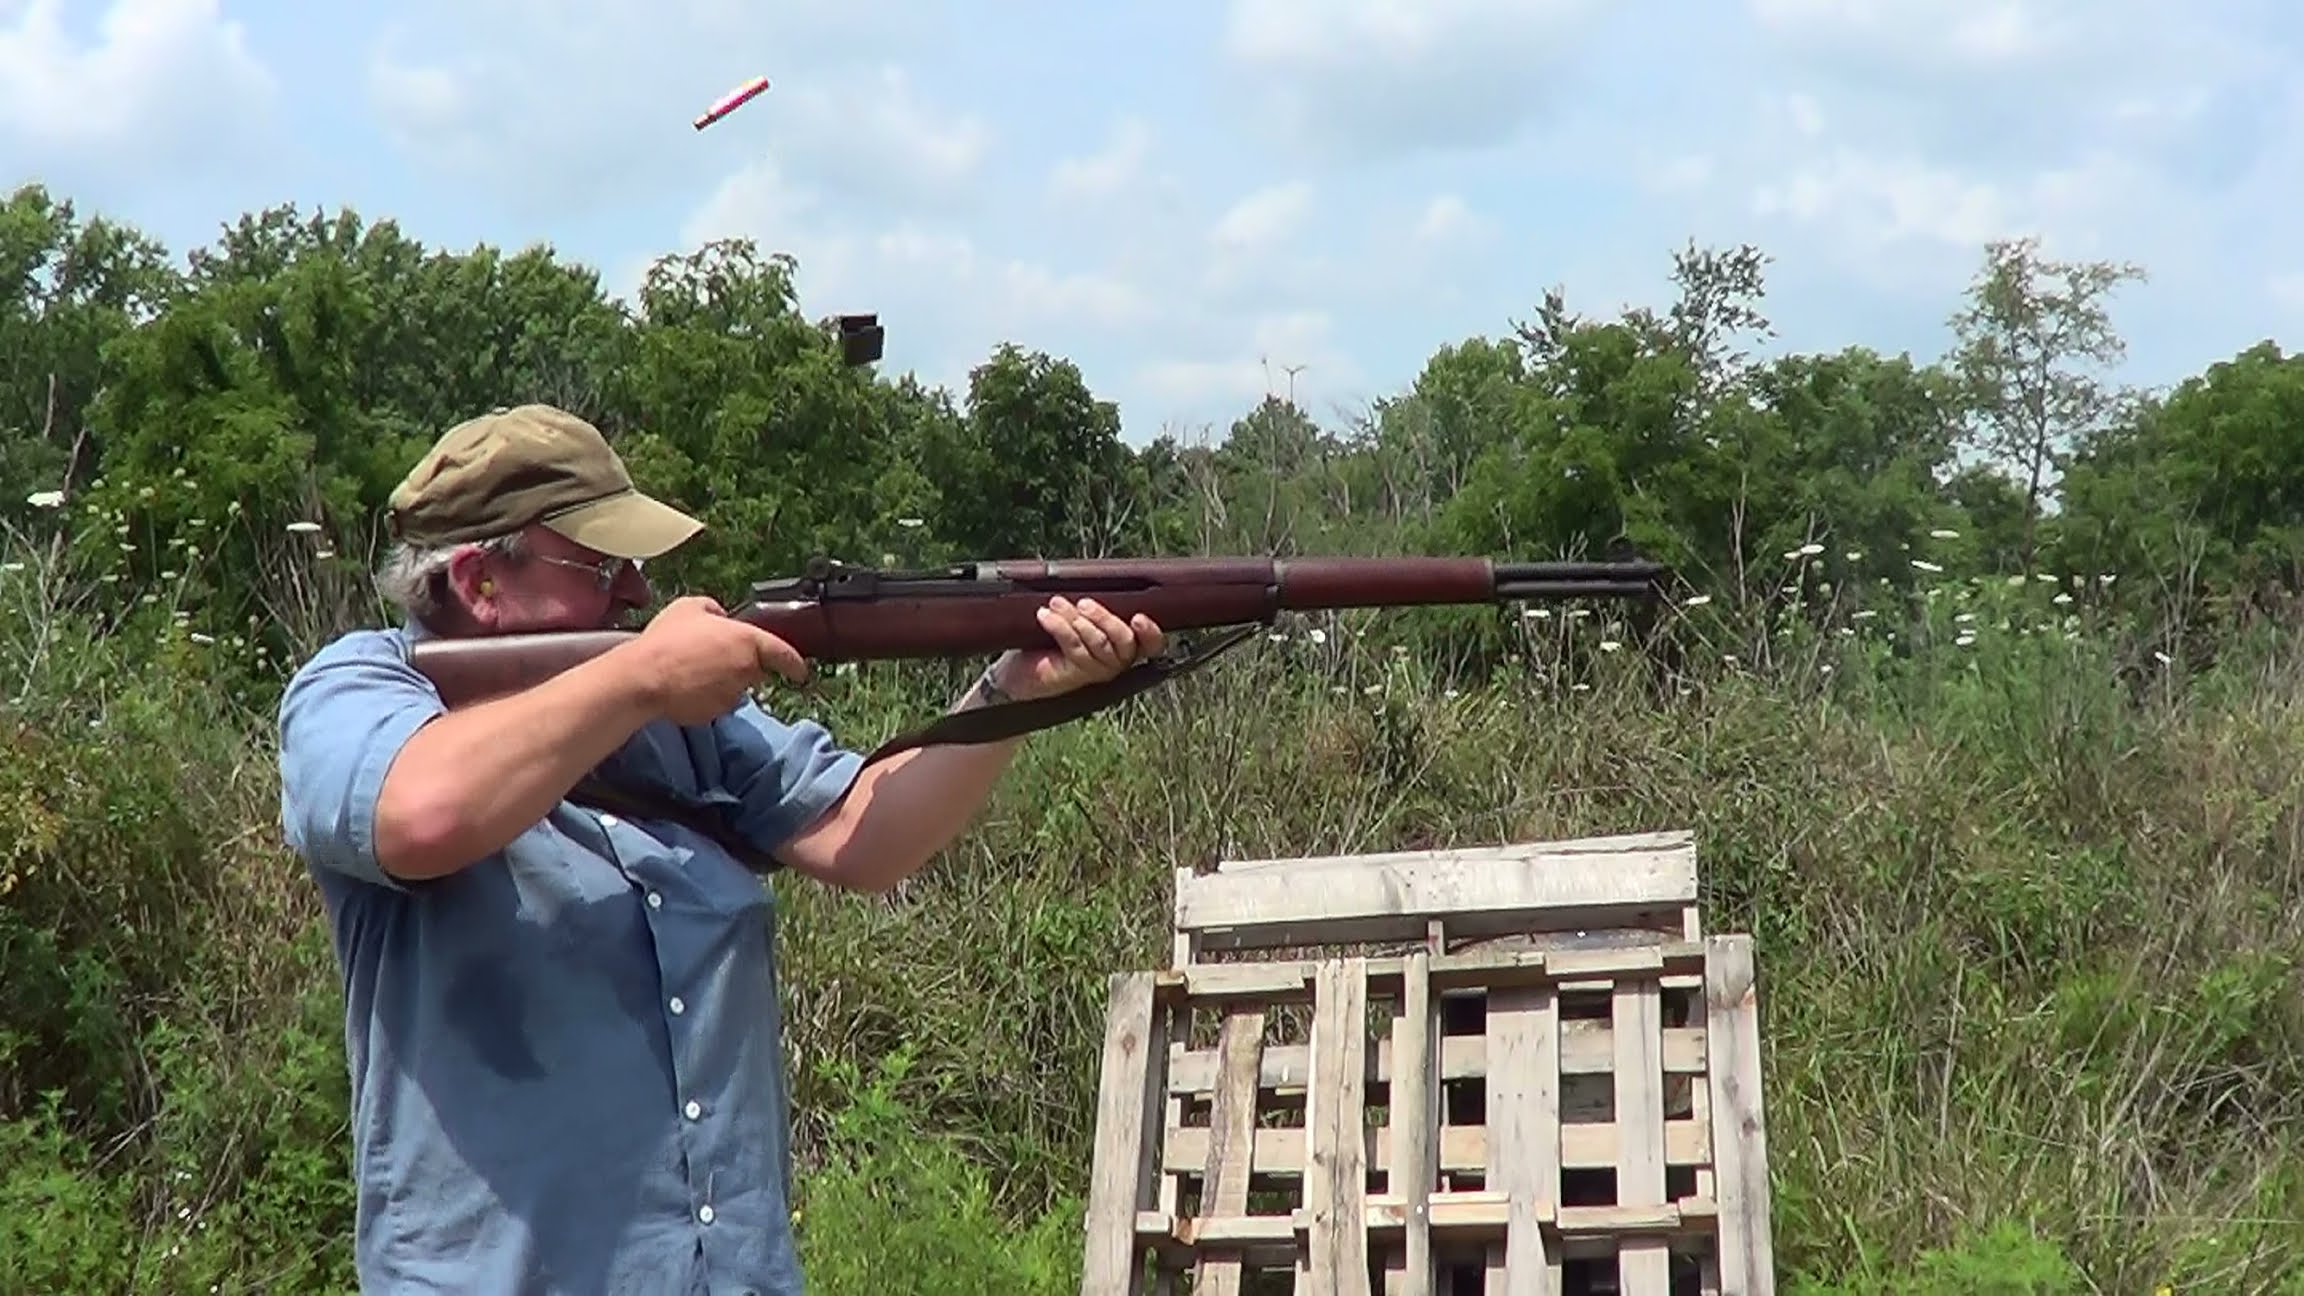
(1336, 1176)
(1125, 1115)
(1408, 1123)
(1731, 1016)
(1264, 903)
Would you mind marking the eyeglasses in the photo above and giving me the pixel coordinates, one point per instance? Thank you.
(606, 570)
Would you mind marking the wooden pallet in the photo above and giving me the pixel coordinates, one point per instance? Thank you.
(1575, 1062)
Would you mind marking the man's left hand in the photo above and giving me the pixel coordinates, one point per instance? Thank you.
(1092, 645)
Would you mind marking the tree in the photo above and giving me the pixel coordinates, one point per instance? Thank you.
(2211, 479)
(68, 289)
(2031, 328)
(1036, 468)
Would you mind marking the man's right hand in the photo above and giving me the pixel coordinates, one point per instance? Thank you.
(697, 663)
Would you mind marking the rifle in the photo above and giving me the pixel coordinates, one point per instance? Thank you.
(835, 612)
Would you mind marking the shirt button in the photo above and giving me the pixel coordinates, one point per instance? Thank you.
(704, 1213)
(694, 1109)
(607, 821)
(655, 899)
(679, 1005)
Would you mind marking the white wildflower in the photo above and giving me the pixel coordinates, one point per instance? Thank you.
(45, 499)
(1609, 645)
(1698, 600)
(1943, 533)
(2061, 598)
(1926, 566)
(1317, 635)
(303, 528)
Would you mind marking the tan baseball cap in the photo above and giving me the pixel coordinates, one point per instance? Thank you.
(502, 471)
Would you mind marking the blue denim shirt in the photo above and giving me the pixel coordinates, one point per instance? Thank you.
(566, 1060)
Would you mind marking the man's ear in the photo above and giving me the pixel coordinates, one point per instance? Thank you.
(471, 585)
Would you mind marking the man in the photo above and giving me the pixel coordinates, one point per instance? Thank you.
(563, 1027)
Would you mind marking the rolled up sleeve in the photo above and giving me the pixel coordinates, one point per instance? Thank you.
(343, 720)
(783, 774)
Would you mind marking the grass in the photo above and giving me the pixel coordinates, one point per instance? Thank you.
(2029, 911)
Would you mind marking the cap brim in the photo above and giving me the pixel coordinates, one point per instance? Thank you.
(631, 525)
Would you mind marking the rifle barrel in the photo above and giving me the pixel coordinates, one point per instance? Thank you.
(1552, 590)
(1552, 580)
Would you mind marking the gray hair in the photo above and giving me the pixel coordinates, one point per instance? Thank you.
(411, 577)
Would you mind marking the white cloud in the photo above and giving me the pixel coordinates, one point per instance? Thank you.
(1448, 220)
(1112, 171)
(876, 137)
(167, 82)
(1679, 174)
(1265, 217)
(1374, 77)
(545, 106)
(1300, 340)
(1875, 202)
(1982, 30)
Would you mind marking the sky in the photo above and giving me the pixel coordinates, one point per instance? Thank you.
(1202, 203)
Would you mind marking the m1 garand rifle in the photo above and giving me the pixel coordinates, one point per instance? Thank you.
(834, 612)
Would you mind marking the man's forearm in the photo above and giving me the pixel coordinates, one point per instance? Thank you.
(904, 809)
(472, 780)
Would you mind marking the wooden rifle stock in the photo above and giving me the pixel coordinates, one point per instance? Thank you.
(835, 612)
